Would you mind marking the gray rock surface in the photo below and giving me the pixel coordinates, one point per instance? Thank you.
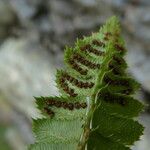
(26, 71)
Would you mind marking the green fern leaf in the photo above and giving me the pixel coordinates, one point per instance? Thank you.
(95, 109)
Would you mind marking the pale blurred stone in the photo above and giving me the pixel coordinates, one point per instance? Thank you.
(26, 71)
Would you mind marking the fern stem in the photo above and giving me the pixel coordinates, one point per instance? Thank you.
(86, 131)
(87, 127)
(98, 85)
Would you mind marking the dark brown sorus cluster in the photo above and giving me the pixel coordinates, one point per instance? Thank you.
(76, 67)
(115, 70)
(110, 98)
(76, 82)
(121, 82)
(98, 43)
(107, 36)
(77, 57)
(127, 91)
(66, 88)
(119, 60)
(119, 47)
(49, 111)
(65, 105)
(90, 49)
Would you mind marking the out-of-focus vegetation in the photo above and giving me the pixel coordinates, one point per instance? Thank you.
(3, 141)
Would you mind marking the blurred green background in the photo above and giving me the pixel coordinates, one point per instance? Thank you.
(33, 34)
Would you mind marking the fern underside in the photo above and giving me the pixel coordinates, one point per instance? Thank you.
(95, 109)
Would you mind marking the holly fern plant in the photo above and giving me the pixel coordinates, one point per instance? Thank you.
(95, 109)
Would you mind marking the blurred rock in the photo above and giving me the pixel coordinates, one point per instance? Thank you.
(137, 21)
(8, 19)
(26, 71)
(23, 8)
(138, 60)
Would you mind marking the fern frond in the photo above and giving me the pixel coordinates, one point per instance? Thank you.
(95, 109)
